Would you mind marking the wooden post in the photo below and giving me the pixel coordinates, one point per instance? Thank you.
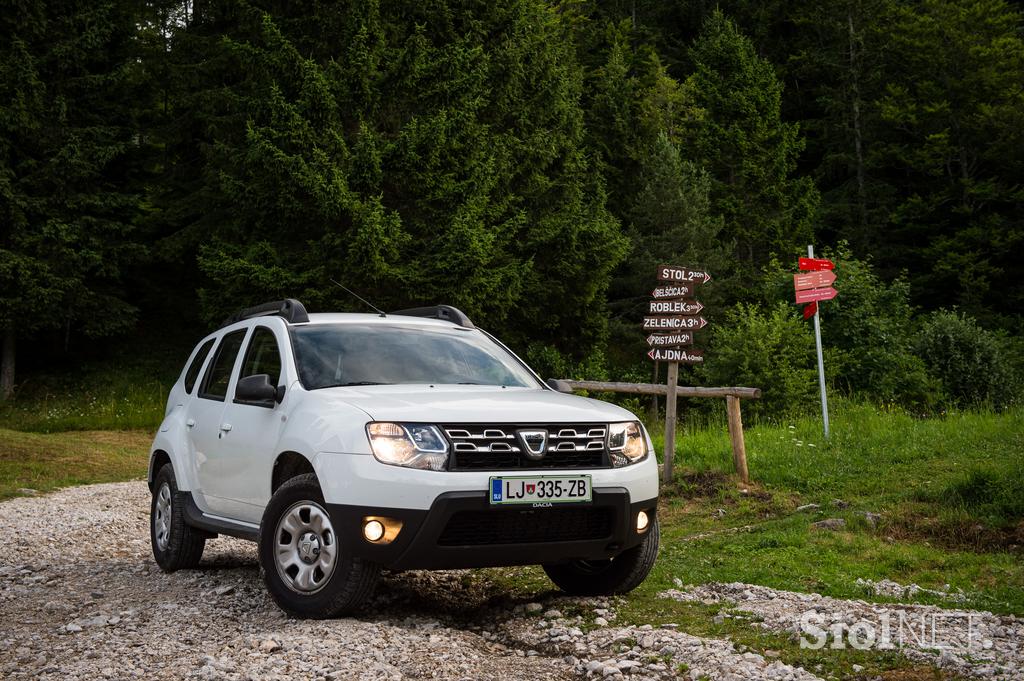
(739, 450)
(653, 416)
(670, 419)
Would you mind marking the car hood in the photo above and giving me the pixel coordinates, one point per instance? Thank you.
(473, 404)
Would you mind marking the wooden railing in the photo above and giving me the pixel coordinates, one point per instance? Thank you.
(732, 402)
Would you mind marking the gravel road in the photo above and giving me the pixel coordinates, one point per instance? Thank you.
(80, 598)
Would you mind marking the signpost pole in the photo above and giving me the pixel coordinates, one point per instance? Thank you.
(821, 359)
(670, 420)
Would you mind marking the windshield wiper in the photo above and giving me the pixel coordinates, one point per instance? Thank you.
(351, 383)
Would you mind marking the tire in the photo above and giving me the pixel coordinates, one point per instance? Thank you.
(306, 570)
(618, 575)
(176, 545)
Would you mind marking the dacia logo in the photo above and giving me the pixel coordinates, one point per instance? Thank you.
(535, 443)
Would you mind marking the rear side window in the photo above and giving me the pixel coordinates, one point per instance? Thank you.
(215, 383)
(262, 357)
(192, 375)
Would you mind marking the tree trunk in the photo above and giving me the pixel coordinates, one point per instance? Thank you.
(858, 144)
(7, 366)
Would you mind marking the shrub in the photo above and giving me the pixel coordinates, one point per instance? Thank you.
(768, 349)
(970, 361)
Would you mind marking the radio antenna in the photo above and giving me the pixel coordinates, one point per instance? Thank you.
(356, 295)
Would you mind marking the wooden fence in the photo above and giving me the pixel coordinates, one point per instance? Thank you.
(732, 402)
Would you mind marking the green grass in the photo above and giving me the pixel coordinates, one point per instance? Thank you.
(46, 462)
(102, 397)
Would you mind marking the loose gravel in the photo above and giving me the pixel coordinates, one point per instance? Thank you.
(81, 598)
(969, 642)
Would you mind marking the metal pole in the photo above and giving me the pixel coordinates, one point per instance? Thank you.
(821, 358)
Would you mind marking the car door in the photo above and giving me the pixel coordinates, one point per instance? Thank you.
(248, 447)
(205, 423)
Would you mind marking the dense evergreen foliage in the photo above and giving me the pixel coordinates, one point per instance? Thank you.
(530, 161)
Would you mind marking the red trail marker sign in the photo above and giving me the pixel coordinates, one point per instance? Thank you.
(815, 264)
(817, 279)
(814, 294)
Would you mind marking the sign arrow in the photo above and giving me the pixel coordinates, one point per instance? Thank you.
(677, 355)
(810, 310)
(813, 279)
(674, 291)
(816, 264)
(675, 307)
(675, 273)
(670, 340)
(811, 295)
(674, 323)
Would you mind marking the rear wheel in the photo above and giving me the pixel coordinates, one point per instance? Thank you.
(176, 545)
(306, 569)
(618, 575)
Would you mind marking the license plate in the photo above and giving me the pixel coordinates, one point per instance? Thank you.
(553, 489)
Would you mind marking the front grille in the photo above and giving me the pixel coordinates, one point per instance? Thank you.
(498, 447)
(483, 528)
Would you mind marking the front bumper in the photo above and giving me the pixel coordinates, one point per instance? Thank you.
(463, 530)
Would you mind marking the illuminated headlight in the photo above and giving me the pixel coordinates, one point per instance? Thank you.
(627, 443)
(408, 444)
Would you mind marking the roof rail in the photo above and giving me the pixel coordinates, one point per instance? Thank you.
(445, 312)
(292, 310)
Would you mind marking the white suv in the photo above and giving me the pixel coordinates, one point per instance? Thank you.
(347, 443)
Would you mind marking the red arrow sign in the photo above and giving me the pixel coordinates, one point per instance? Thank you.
(810, 310)
(670, 340)
(675, 307)
(673, 291)
(811, 295)
(816, 264)
(682, 323)
(676, 355)
(682, 274)
(813, 280)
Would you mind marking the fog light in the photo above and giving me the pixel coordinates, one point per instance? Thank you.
(373, 530)
(642, 521)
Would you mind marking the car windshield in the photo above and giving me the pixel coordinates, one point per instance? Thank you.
(330, 355)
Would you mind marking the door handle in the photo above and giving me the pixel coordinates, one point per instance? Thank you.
(225, 427)
(190, 423)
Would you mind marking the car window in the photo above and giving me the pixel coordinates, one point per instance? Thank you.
(192, 375)
(262, 356)
(215, 383)
(355, 354)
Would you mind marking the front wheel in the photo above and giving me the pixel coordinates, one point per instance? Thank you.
(618, 575)
(307, 569)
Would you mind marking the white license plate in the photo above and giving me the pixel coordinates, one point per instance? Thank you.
(548, 489)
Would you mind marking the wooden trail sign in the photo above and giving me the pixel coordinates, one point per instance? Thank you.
(670, 340)
(674, 307)
(674, 273)
(673, 291)
(674, 323)
(818, 279)
(680, 355)
(813, 294)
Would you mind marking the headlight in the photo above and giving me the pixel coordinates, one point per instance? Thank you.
(627, 443)
(408, 444)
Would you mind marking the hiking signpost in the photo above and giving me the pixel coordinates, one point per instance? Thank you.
(814, 283)
(673, 317)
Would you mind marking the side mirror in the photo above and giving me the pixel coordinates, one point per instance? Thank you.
(256, 388)
(559, 385)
